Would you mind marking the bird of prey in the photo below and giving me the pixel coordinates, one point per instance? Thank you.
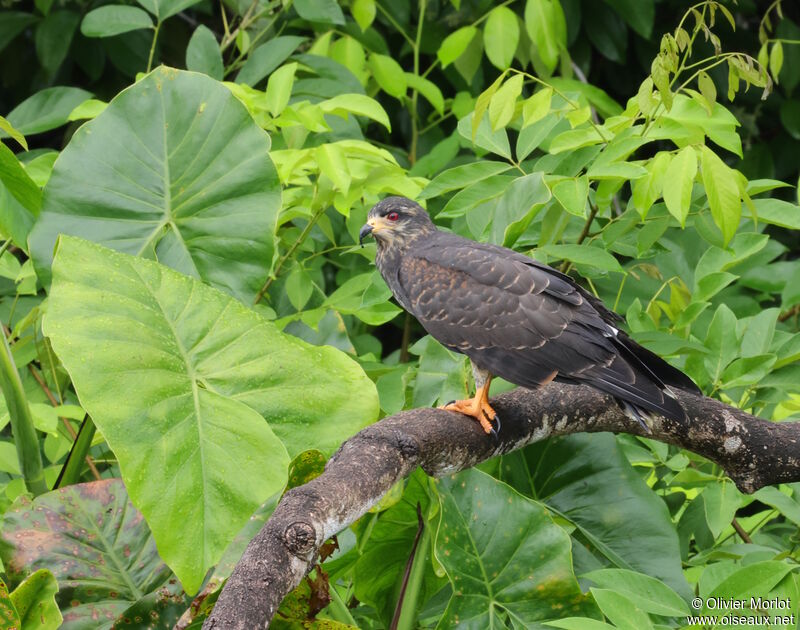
(513, 317)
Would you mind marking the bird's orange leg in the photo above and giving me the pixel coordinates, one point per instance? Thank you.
(477, 407)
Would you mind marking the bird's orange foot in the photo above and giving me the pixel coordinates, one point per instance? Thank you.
(478, 408)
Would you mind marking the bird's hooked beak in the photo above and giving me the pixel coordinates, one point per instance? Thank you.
(364, 232)
(371, 227)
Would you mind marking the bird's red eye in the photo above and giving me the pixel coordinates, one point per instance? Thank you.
(392, 216)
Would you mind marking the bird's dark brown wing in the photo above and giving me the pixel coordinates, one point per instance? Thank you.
(523, 321)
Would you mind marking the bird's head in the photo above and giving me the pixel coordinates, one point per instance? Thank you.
(396, 221)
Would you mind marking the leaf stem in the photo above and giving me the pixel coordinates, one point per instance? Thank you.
(153, 46)
(688, 53)
(565, 266)
(224, 18)
(78, 454)
(338, 609)
(436, 122)
(289, 253)
(405, 613)
(237, 63)
(326, 251)
(650, 118)
(721, 59)
(582, 78)
(770, 514)
(395, 24)
(25, 439)
(741, 531)
(406, 338)
(246, 21)
(585, 232)
(573, 104)
(664, 285)
(619, 292)
(412, 154)
(765, 17)
(475, 23)
(5, 246)
(691, 10)
(39, 379)
(788, 314)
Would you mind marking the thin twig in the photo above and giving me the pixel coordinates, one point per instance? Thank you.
(39, 379)
(412, 154)
(246, 21)
(588, 224)
(43, 384)
(394, 24)
(741, 531)
(788, 314)
(238, 63)
(289, 253)
(406, 339)
(584, 233)
(224, 17)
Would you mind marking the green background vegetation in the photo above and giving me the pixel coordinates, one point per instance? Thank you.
(207, 330)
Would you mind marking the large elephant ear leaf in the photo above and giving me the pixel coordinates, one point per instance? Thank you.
(179, 378)
(588, 480)
(173, 169)
(505, 557)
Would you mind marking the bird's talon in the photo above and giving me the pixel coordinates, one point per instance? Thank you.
(477, 408)
(495, 417)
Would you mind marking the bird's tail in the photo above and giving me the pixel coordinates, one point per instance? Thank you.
(656, 366)
(641, 381)
(639, 415)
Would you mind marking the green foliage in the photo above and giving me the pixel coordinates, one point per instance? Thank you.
(202, 319)
(168, 183)
(208, 388)
(90, 537)
(113, 20)
(46, 110)
(34, 601)
(377, 572)
(27, 446)
(9, 617)
(519, 574)
(616, 517)
(650, 595)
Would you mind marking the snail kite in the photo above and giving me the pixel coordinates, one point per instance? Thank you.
(513, 317)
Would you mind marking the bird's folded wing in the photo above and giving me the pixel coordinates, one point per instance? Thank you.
(526, 323)
(511, 318)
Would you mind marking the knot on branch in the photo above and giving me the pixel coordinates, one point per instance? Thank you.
(300, 538)
(408, 445)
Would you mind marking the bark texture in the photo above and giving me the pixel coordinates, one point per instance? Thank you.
(753, 452)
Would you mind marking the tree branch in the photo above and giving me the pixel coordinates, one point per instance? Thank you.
(753, 452)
